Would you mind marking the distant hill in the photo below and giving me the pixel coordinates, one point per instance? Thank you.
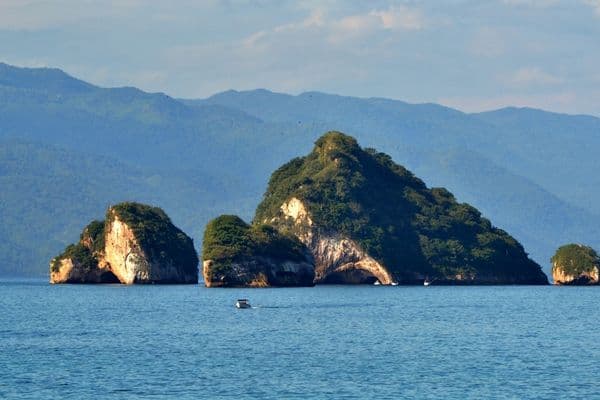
(557, 151)
(68, 148)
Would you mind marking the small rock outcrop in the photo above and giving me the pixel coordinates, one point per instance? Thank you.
(135, 244)
(236, 254)
(575, 264)
(365, 218)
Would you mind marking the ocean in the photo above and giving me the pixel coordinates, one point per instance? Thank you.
(326, 342)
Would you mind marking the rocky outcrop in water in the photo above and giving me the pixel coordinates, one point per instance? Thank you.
(365, 218)
(135, 244)
(575, 264)
(239, 255)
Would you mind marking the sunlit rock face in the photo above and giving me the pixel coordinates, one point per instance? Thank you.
(575, 264)
(338, 259)
(135, 244)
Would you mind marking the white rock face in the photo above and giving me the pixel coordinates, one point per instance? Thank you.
(295, 209)
(333, 253)
(561, 278)
(65, 272)
(125, 258)
(124, 255)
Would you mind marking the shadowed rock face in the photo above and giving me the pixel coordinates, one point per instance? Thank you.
(259, 272)
(136, 244)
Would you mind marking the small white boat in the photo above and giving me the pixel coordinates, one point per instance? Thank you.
(242, 303)
(394, 283)
(377, 283)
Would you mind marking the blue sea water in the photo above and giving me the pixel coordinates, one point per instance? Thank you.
(327, 342)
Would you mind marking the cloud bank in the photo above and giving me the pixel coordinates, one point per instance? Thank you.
(539, 53)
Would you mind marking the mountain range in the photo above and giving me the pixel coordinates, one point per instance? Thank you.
(68, 149)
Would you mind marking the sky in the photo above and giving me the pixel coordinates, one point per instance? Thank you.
(473, 55)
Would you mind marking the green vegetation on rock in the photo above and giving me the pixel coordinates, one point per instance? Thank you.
(94, 233)
(160, 242)
(575, 259)
(228, 238)
(240, 255)
(84, 252)
(80, 255)
(409, 228)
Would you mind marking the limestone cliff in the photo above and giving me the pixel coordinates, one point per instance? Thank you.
(560, 277)
(236, 254)
(575, 264)
(338, 259)
(136, 244)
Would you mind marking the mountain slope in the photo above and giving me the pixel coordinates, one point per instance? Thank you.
(556, 150)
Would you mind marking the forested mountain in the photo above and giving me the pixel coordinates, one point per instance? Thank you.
(69, 148)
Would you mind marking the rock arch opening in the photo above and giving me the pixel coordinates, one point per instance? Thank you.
(109, 277)
(351, 276)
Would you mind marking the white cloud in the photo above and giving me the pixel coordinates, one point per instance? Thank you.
(324, 43)
(33, 15)
(488, 42)
(393, 19)
(43, 14)
(402, 18)
(531, 3)
(315, 19)
(352, 27)
(337, 30)
(529, 76)
(595, 4)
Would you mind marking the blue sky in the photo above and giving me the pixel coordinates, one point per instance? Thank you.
(471, 55)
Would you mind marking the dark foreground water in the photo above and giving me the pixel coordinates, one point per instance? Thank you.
(328, 342)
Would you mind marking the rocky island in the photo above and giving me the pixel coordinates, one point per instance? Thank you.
(238, 254)
(136, 243)
(364, 218)
(575, 264)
